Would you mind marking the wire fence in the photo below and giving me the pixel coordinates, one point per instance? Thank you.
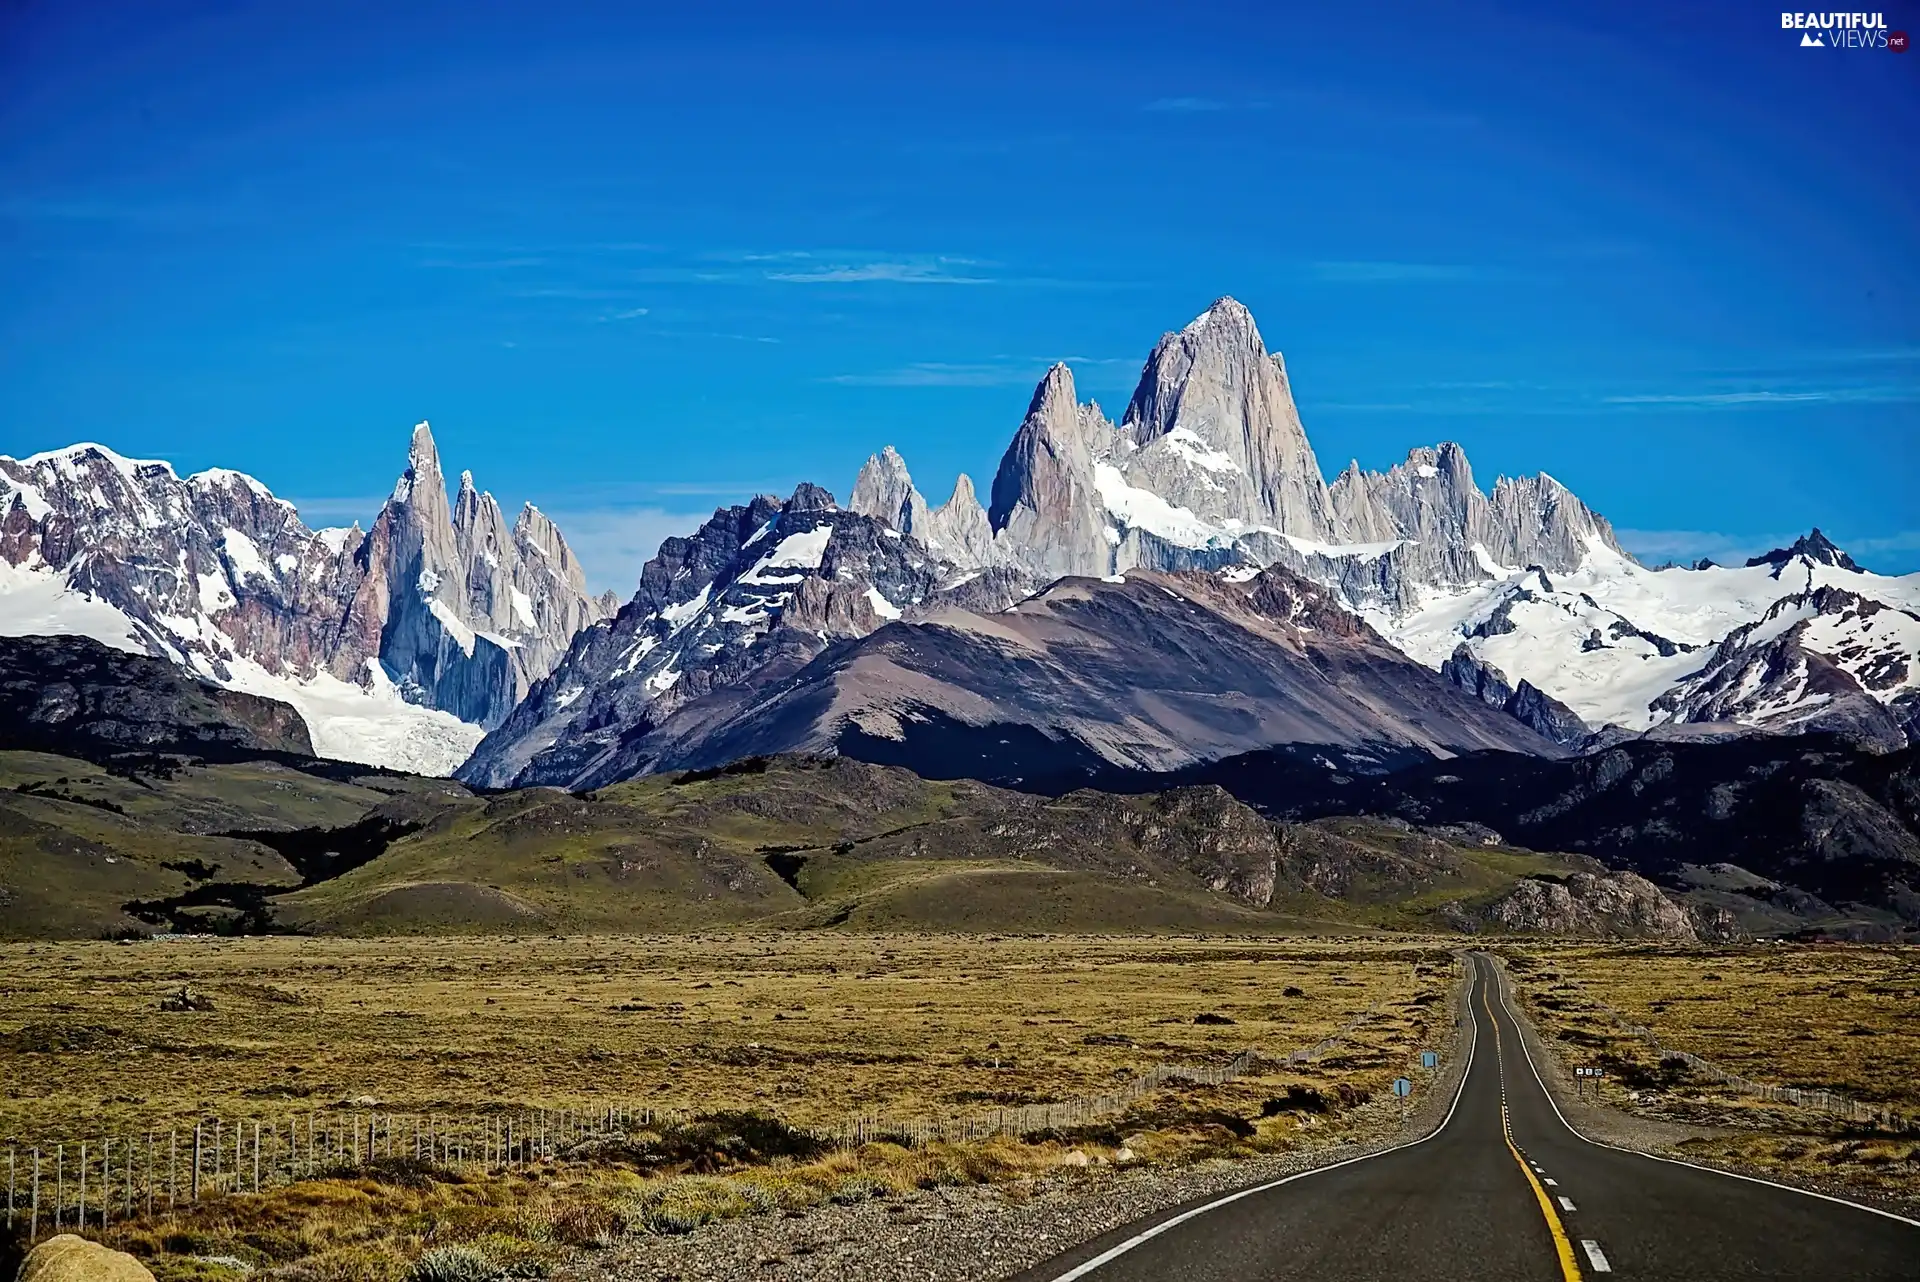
(75, 1186)
(1820, 1100)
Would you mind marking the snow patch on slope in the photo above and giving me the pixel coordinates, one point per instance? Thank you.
(376, 727)
(39, 603)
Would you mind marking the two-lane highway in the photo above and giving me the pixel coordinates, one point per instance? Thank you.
(1503, 1191)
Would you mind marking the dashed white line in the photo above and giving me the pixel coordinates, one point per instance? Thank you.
(1553, 1184)
(1595, 1256)
(1566, 1204)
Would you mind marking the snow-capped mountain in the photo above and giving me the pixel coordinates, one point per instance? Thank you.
(1210, 468)
(1796, 640)
(1525, 588)
(403, 644)
(397, 646)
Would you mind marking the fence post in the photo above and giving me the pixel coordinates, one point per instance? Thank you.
(9, 1186)
(196, 1159)
(83, 1186)
(106, 1182)
(256, 1157)
(33, 1224)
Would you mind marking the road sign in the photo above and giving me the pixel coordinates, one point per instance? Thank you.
(1429, 1059)
(1402, 1087)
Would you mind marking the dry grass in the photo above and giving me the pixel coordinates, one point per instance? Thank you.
(374, 1225)
(810, 1027)
(806, 1028)
(1838, 1018)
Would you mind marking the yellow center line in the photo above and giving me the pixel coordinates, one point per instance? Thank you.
(1569, 1267)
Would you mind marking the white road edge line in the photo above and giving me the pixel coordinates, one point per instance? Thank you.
(1566, 1204)
(1146, 1235)
(1595, 1256)
(1500, 987)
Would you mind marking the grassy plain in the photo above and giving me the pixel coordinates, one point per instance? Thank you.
(1844, 1018)
(808, 1028)
(814, 1027)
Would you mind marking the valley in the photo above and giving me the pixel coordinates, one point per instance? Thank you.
(730, 1051)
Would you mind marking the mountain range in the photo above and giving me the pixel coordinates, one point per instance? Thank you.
(399, 645)
(1147, 595)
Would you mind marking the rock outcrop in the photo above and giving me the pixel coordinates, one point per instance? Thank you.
(1607, 905)
(75, 696)
(69, 1258)
(1527, 703)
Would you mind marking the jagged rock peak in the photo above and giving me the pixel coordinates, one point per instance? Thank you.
(1226, 315)
(884, 490)
(1230, 445)
(1815, 546)
(1054, 390)
(808, 497)
(1046, 514)
(422, 454)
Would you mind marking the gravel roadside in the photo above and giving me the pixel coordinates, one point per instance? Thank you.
(987, 1232)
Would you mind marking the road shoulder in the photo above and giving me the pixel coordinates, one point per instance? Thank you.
(990, 1233)
(1659, 1137)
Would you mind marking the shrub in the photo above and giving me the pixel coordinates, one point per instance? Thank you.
(587, 1224)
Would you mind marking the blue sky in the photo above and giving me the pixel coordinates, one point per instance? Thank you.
(634, 261)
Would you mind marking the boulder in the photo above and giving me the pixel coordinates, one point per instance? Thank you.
(74, 1259)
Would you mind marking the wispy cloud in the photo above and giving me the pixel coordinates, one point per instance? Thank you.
(1371, 272)
(1185, 105)
(938, 374)
(994, 372)
(1881, 395)
(632, 313)
(938, 271)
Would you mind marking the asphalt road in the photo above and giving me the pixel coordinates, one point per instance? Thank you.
(1503, 1191)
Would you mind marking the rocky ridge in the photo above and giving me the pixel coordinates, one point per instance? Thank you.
(75, 696)
(753, 596)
